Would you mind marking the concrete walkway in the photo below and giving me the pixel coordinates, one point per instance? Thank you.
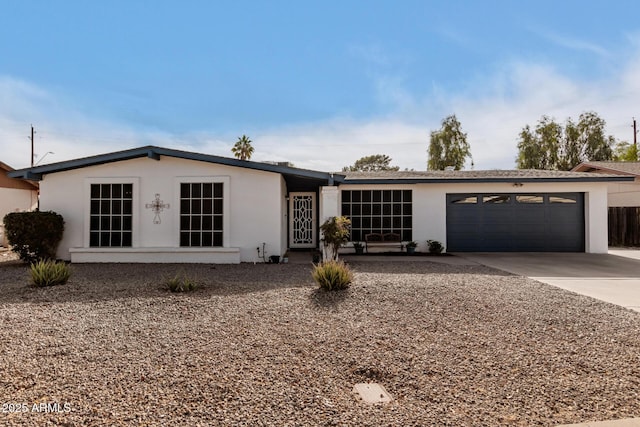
(613, 277)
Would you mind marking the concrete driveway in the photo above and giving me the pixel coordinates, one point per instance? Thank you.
(613, 277)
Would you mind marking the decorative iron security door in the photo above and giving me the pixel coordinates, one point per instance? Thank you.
(302, 220)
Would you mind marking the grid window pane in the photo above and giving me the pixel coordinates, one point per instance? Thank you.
(378, 211)
(207, 191)
(201, 210)
(110, 221)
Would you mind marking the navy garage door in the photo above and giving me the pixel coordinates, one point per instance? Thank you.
(550, 222)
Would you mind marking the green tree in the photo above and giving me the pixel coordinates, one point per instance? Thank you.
(375, 162)
(448, 146)
(243, 148)
(552, 146)
(539, 149)
(625, 152)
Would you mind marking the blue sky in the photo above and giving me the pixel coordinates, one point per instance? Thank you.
(317, 83)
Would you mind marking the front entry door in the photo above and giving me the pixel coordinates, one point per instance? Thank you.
(302, 220)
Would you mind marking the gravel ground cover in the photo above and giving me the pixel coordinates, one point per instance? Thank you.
(259, 345)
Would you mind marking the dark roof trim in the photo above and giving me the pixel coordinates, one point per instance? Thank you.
(152, 152)
(514, 180)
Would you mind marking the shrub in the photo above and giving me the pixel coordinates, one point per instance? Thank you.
(181, 284)
(34, 235)
(335, 233)
(49, 273)
(332, 275)
(435, 247)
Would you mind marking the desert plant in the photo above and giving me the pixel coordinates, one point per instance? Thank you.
(34, 235)
(335, 233)
(332, 275)
(49, 273)
(412, 244)
(181, 283)
(435, 247)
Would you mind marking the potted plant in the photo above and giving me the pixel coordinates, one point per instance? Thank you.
(411, 247)
(359, 247)
(435, 247)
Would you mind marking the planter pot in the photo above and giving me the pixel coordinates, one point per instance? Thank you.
(316, 258)
(274, 259)
(411, 250)
(359, 251)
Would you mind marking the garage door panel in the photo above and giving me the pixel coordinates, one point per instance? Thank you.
(516, 222)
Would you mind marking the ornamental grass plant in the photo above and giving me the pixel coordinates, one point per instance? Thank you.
(49, 273)
(332, 275)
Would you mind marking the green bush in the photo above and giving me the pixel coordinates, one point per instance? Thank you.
(181, 284)
(49, 273)
(34, 235)
(332, 275)
(435, 247)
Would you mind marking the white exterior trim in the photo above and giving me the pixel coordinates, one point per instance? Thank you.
(156, 255)
(226, 210)
(135, 209)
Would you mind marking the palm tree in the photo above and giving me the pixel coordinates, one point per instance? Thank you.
(243, 149)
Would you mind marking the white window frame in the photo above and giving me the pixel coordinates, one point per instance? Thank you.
(135, 207)
(226, 217)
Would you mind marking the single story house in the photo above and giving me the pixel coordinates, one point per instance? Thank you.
(154, 204)
(620, 193)
(16, 195)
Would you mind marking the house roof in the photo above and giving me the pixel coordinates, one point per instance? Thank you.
(624, 168)
(305, 178)
(10, 182)
(497, 175)
(153, 152)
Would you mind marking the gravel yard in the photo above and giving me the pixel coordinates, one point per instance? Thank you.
(258, 345)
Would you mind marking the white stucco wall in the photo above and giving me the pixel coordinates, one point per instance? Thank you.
(623, 194)
(429, 206)
(254, 210)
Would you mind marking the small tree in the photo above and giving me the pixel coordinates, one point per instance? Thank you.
(335, 232)
(373, 163)
(625, 152)
(34, 235)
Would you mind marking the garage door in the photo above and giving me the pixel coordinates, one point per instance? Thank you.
(550, 222)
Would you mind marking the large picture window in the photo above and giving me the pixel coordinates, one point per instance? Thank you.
(201, 214)
(378, 211)
(111, 214)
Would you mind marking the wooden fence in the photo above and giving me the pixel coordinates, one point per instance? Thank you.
(624, 226)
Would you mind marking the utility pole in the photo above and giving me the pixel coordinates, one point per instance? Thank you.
(32, 153)
(635, 139)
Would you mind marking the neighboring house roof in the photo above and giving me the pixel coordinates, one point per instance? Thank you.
(624, 168)
(305, 177)
(6, 181)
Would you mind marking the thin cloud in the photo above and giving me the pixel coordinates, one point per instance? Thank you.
(572, 43)
(493, 109)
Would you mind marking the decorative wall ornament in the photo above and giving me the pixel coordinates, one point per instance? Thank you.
(157, 206)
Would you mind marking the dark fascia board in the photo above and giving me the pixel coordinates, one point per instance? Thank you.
(152, 152)
(514, 180)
